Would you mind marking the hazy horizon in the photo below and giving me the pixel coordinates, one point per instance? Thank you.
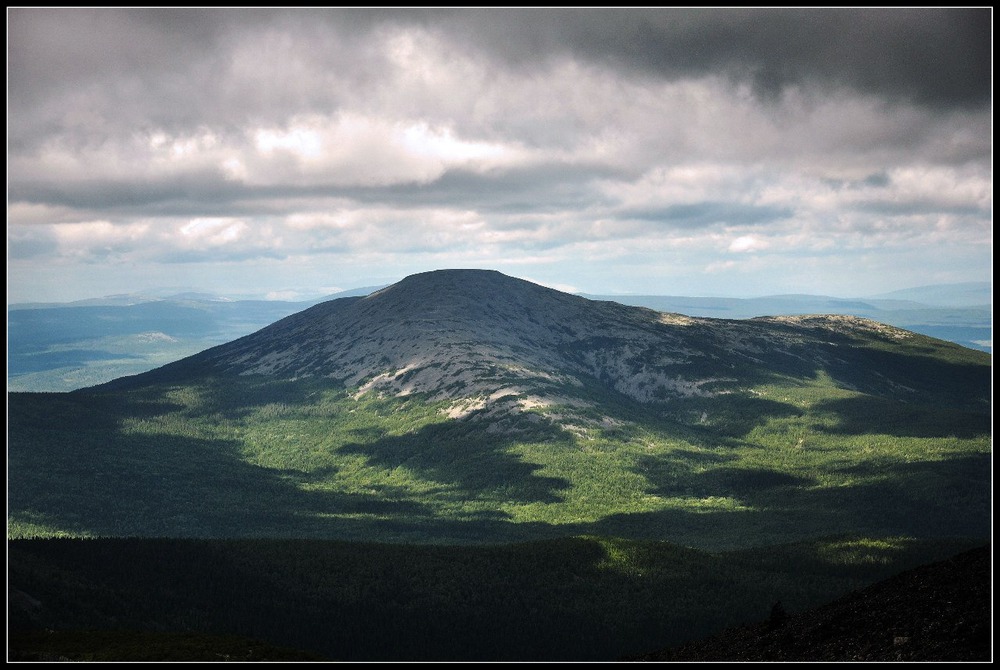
(698, 152)
(306, 294)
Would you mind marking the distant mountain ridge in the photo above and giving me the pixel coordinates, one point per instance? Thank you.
(965, 294)
(195, 297)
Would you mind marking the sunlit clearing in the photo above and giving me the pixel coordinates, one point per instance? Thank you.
(864, 550)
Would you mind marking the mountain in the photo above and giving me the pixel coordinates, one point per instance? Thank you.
(469, 406)
(936, 612)
(66, 346)
(472, 334)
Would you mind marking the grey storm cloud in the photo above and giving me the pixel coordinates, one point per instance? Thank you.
(536, 188)
(89, 76)
(874, 180)
(936, 57)
(90, 73)
(703, 214)
(164, 195)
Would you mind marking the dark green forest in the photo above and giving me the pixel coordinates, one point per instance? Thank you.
(582, 598)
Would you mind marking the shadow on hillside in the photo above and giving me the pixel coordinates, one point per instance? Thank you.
(570, 599)
(87, 473)
(871, 415)
(683, 473)
(469, 461)
(83, 412)
(171, 486)
(961, 475)
(727, 415)
(945, 498)
(239, 398)
(916, 375)
(918, 378)
(916, 371)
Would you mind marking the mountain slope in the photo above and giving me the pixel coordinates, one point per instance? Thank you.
(968, 324)
(466, 407)
(480, 334)
(63, 347)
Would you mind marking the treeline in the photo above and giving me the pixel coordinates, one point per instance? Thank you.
(571, 599)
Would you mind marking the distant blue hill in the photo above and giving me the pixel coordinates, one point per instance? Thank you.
(967, 320)
(66, 346)
(968, 294)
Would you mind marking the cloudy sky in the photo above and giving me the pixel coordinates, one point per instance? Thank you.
(291, 153)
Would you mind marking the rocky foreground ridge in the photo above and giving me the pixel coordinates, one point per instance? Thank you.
(937, 612)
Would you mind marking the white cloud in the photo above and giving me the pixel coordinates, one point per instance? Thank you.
(441, 144)
(967, 186)
(301, 141)
(212, 231)
(746, 243)
(289, 294)
(89, 239)
(351, 149)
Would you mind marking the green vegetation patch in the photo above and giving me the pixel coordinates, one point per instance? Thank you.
(245, 457)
